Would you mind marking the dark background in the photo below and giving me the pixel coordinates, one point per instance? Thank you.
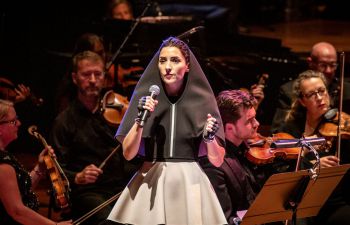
(37, 38)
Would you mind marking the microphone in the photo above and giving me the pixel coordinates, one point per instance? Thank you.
(293, 143)
(190, 32)
(154, 89)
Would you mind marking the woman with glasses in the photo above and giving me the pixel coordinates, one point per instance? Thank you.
(311, 102)
(323, 58)
(307, 113)
(18, 203)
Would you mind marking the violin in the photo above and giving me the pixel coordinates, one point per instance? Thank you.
(329, 128)
(7, 91)
(59, 181)
(261, 152)
(113, 107)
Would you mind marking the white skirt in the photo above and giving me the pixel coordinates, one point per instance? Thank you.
(172, 193)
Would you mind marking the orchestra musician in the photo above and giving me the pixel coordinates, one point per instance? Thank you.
(237, 181)
(184, 123)
(86, 42)
(18, 202)
(12, 93)
(323, 58)
(83, 140)
(304, 119)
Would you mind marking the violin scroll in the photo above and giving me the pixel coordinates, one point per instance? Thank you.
(60, 183)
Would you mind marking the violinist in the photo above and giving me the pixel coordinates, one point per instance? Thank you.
(323, 58)
(86, 42)
(12, 93)
(83, 140)
(18, 202)
(237, 181)
(307, 113)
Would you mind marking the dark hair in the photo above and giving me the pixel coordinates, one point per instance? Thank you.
(175, 42)
(87, 42)
(230, 103)
(89, 55)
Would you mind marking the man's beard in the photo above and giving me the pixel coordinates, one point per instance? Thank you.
(91, 92)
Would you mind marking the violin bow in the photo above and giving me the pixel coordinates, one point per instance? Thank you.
(96, 209)
(108, 157)
(104, 204)
(342, 65)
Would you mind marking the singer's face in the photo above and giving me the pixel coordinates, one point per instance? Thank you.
(172, 67)
(89, 78)
(315, 97)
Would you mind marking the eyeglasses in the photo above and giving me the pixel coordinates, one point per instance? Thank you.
(13, 122)
(324, 65)
(321, 92)
(86, 75)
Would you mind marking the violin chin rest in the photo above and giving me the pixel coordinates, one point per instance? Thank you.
(330, 114)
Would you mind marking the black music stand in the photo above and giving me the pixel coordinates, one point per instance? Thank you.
(271, 203)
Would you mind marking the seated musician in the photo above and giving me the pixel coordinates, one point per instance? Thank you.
(12, 93)
(83, 140)
(18, 202)
(304, 119)
(85, 42)
(323, 58)
(237, 181)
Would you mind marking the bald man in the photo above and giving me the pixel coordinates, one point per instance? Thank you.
(323, 58)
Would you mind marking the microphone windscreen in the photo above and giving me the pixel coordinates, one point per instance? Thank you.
(155, 89)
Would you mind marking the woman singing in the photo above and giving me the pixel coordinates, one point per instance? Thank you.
(184, 123)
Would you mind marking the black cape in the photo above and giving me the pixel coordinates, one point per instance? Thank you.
(190, 110)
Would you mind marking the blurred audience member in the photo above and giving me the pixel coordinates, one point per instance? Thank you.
(120, 9)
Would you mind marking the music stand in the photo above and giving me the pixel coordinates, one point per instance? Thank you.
(270, 204)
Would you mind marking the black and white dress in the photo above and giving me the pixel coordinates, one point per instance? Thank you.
(171, 188)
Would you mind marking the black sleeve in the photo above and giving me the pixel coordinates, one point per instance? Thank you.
(284, 101)
(218, 180)
(60, 138)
